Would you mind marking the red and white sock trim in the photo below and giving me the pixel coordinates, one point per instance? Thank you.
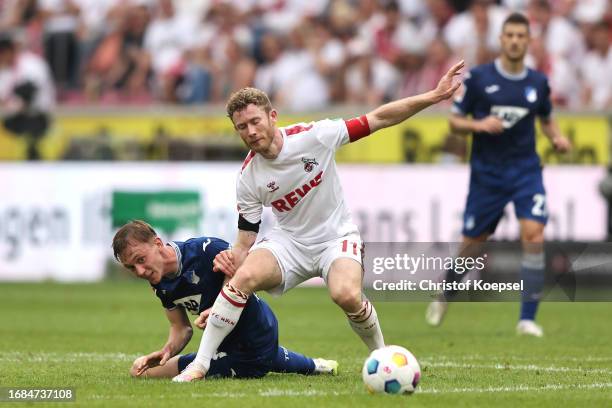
(363, 314)
(234, 296)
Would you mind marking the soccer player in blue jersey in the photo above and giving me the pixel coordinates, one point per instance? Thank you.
(503, 99)
(181, 276)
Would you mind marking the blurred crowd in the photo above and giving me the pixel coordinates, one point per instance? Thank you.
(307, 54)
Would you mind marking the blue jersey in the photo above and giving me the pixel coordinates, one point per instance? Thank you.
(195, 288)
(516, 100)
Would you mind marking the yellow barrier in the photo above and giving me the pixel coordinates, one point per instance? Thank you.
(419, 139)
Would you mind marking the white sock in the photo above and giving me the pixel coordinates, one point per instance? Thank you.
(223, 318)
(365, 324)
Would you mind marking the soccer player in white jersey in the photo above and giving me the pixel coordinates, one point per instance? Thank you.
(293, 171)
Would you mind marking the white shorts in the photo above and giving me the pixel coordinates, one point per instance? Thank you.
(299, 262)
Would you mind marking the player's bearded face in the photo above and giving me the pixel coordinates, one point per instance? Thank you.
(256, 127)
(514, 41)
(144, 260)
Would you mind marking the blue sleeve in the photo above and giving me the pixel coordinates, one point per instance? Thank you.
(164, 301)
(545, 107)
(465, 101)
(215, 246)
(211, 247)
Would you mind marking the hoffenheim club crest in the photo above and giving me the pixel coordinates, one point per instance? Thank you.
(531, 94)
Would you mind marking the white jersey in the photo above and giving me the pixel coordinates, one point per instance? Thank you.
(301, 184)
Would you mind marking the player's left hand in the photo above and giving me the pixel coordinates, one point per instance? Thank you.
(224, 262)
(562, 144)
(202, 319)
(447, 85)
(153, 359)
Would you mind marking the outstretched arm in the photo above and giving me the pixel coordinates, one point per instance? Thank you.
(178, 337)
(398, 111)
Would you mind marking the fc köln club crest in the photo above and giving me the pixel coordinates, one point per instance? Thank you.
(309, 164)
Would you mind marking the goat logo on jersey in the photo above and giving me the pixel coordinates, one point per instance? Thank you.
(272, 186)
(309, 164)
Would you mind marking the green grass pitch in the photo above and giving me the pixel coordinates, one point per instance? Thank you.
(86, 336)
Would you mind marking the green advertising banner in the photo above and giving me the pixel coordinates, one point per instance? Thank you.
(164, 210)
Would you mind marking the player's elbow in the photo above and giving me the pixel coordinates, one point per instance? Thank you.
(187, 334)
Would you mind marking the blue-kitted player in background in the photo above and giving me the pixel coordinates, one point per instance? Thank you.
(503, 98)
(182, 277)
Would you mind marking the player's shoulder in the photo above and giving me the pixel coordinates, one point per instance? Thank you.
(247, 161)
(297, 130)
(536, 76)
(196, 246)
(306, 129)
(315, 135)
(481, 71)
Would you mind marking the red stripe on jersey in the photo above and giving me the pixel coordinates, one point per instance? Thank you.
(247, 160)
(294, 130)
(357, 128)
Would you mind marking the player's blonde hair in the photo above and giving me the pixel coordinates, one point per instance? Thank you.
(136, 230)
(239, 100)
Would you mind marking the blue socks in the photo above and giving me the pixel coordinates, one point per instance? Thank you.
(532, 275)
(287, 361)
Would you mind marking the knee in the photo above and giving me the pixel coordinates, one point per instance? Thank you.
(533, 237)
(348, 298)
(245, 279)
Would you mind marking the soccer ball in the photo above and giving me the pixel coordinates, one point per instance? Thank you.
(391, 370)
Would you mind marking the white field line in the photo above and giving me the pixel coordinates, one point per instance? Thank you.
(56, 357)
(277, 392)
(520, 388)
(524, 367)
(16, 356)
(464, 362)
(480, 357)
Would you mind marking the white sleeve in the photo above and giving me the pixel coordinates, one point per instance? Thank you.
(249, 206)
(332, 133)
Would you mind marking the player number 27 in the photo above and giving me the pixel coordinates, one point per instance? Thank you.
(539, 206)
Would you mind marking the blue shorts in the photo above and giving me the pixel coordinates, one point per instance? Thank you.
(490, 193)
(238, 365)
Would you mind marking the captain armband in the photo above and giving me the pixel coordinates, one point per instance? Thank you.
(357, 128)
(245, 225)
